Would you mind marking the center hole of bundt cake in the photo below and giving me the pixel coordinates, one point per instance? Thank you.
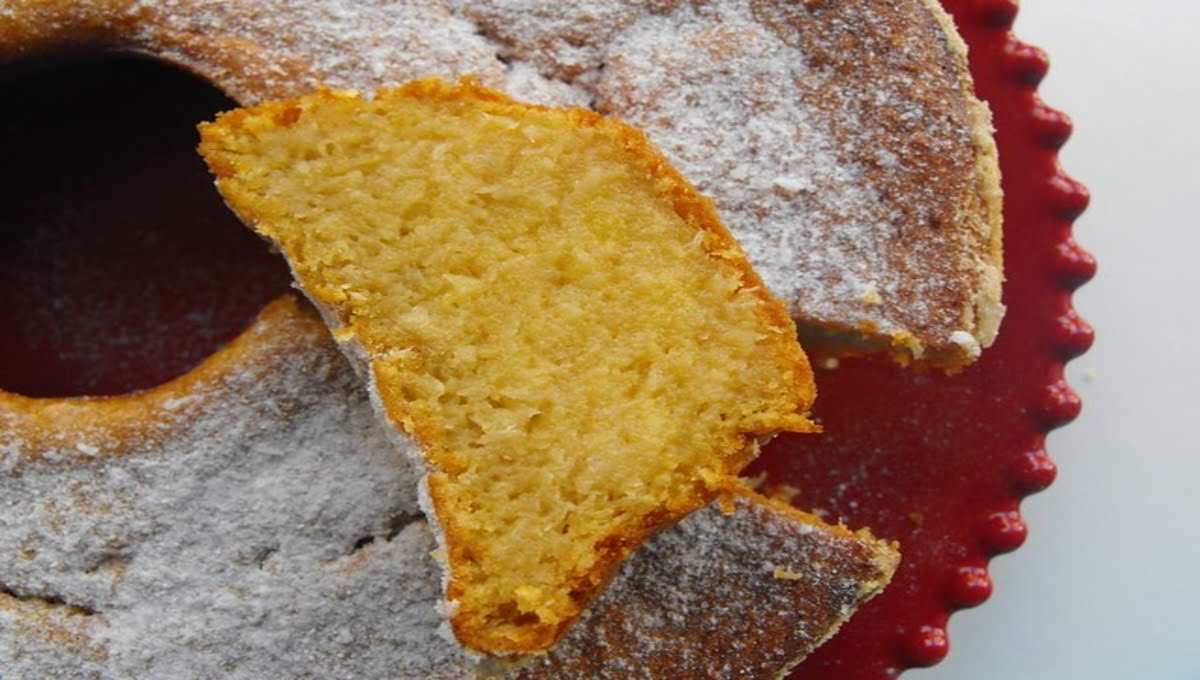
(120, 267)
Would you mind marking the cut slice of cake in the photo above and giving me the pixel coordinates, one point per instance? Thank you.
(552, 311)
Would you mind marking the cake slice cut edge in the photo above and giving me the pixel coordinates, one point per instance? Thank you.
(553, 312)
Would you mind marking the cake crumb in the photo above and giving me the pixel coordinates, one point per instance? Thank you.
(791, 185)
(87, 449)
(756, 481)
(870, 295)
(967, 342)
(785, 574)
(783, 492)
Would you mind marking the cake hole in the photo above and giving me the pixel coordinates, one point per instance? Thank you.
(120, 266)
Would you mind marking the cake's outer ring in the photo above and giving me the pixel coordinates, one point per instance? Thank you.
(960, 480)
(830, 556)
(979, 213)
(983, 208)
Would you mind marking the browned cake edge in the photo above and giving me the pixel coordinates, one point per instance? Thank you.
(983, 206)
(980, 220)
(121, 423)
(977, 216)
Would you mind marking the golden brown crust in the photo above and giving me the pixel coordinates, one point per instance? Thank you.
(255, 50)
(31, 27)
(49, 27)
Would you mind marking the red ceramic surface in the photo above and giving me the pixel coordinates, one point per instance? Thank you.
(113, 279)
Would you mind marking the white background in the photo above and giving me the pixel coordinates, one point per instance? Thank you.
(1108, 584)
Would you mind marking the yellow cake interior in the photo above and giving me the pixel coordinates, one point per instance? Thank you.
(575, 341)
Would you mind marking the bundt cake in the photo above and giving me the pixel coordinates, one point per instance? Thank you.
(876, 96)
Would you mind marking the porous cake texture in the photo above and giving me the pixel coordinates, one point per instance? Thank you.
(553, 312)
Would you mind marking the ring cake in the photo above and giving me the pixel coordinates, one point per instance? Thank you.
(555, 315)
(251, 519)
(841, 140)
(923, 129)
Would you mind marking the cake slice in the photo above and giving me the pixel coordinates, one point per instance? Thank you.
(559, 319)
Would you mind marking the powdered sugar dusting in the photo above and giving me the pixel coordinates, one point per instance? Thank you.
(237, 539)
(717, 91)
(561, 40)
(288, 47)
(688, 584)
(525, 83)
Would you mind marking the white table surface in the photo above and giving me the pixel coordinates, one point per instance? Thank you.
(1108, 583)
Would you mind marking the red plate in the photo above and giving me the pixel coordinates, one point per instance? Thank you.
(940, 463)
(93, 241)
